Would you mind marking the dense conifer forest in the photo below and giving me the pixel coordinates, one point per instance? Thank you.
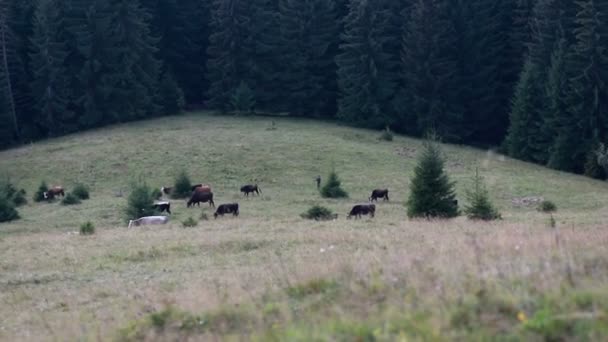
(530, 76)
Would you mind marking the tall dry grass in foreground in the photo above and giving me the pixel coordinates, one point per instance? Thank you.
(293, 280)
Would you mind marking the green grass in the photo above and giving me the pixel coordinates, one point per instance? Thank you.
(282, 276)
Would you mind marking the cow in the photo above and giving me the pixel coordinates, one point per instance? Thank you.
(362, 209)
(230, 208)
(199, 196)
(247, 189)
(149, 220)
(166, 190)
(162, 206)
(379, 193)
(53, 192)
(201, 188)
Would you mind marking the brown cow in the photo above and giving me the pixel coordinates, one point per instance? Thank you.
(200, 196)
(53, 192)
(201, 188)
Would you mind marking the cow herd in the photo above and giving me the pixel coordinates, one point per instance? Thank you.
(202, 193)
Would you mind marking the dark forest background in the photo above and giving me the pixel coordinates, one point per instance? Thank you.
(530, 76)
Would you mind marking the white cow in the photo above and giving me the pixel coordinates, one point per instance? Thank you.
(149, 220)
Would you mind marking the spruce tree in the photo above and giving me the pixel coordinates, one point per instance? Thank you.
(140, 202)
(367, 68)
(7, 208)
(432, 193)
(310, 39)
(430, 72)
(479, 205)
(333, 187)
(182, 187)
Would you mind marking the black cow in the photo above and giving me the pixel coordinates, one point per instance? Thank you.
(247, 189)
(198, 197)
(379, 193)
(162, 206)
(362, 209)
(230, 208)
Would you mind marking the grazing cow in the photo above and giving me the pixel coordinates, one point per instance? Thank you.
(247, 189)
(53, 192)
(379, 193)
(166, 190)
(362, 209)
(198, 197)
(231, 208)
(201, 188)
(162, 206)
(147, 220)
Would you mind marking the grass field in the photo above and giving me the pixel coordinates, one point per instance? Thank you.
(270, 275)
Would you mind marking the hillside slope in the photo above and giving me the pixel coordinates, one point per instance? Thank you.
(272, 275)
(229, 151)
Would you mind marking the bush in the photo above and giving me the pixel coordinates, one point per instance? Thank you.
(204, 216)
(140, 202)
(157, 194)
(480, 207)
(332, 189)
(243, 99)
(432, 192)
(387, 135)
(182, 187)
(547, 206)
(70, 199)
(7, 208)
(81, 191)
(190, 222)
(11, 192)
(318, 213)
(87, 228)
(39, 195)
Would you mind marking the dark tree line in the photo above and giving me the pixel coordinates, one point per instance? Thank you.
(529, 75)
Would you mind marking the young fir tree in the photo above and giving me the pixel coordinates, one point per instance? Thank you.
(182, 187)
(333, 187)
(309, 33)
(367, 66)
(8, 212)
(479, 205)
(432, 193)
(140, 202)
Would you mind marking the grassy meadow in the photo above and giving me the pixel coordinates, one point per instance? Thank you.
(271, 275)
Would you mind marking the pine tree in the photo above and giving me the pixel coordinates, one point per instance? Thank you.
(140, 202)
(479, 205)
(310, 39)
(368, 69)
(170, 95)
(432, 192)
(230, 47)
(7, 208)
(134, 67)
(182, 187)
(430, 72)
(526, 121)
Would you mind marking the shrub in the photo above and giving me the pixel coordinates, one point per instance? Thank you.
(547, 206)
(182, 187)
(70, 199)
(7, 208)
(318, 213)
(157, 194)
(243, 99)
(140, 202)
(480, 207)
(204, 216)
(81, 191)
(432, 193)
(39, 195)
(333, 189)
(11, 192)
(386, 135)
(87, 228)
(190, 222)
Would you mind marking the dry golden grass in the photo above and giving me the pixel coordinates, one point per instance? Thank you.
(58, 285)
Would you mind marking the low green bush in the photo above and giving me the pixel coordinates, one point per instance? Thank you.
(87, 228)
(70, 199)
(81, 191)
(318, 213)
